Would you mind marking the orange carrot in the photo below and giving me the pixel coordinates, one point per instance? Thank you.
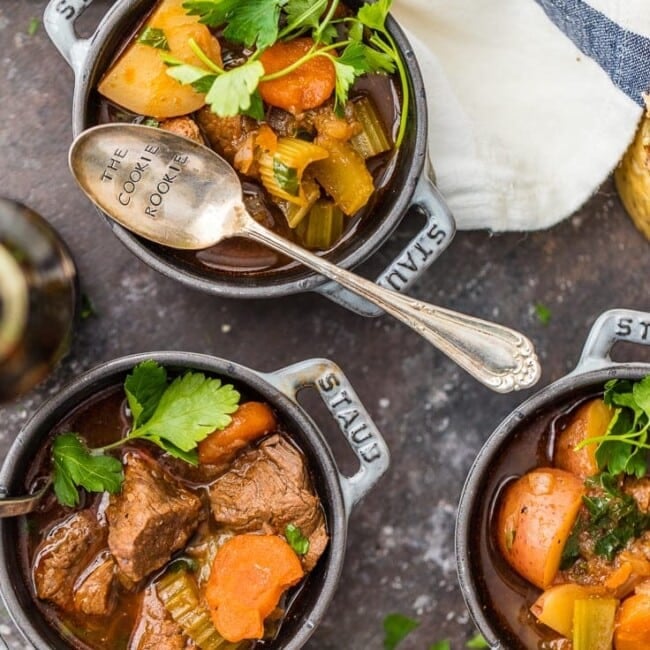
(248, 577)
(250, 421)
(308, 86)
(633, 623)
(267, 138)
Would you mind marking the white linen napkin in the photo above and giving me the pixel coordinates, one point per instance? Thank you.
(523, 124)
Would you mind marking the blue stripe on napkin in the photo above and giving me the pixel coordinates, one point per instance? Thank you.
(624, 55)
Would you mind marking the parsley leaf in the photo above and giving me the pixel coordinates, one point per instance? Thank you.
(543, 313)
(396, 628)
(345, 76)
(374, 15)
(286, 177)
(477, 641)
(212, 12)
(298, 542)
(154, 37)
(613, 517)
(144, 387)
(366, 59)
(303, 13)
(231, 91)
(201, 80)
(191, 408)
(86, 309)
(624, 447)
(33, 26)
(441, 645)
(75, 465)
(175, 417)
(253, 23)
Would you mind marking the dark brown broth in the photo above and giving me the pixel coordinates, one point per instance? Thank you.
(506, 597)
(101, 420)
(242, 256)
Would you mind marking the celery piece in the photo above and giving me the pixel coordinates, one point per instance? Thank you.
(323, 227)
(343, 175)
(373, 139)
(281, 173)
(593, 623)
(294, 213)
(179, 594)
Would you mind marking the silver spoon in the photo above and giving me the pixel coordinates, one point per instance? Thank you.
(181, 194)
(15, 506)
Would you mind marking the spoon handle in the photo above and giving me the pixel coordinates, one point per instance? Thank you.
(499, 357)
(15, 506)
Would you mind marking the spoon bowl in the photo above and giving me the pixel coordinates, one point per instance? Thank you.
(175, 192)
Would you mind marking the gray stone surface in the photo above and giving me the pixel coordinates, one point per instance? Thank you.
(400, 555)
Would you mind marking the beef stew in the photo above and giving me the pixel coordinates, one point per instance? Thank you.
(562, 558)
(134, 566)
(313, 160)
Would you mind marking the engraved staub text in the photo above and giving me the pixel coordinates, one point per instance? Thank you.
(635, 328)
(422, 252)
(351, 416)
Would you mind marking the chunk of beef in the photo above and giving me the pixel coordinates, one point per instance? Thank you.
(639, 489)
(184, 126)
(94, 592)
(282, 122)
(151, 518)
(64, 554)
(268, 488)
(155, 629)
(226, 135)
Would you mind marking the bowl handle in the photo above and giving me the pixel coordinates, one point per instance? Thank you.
(349, 413)
(59, 19)
(417, 256)
(612, 326)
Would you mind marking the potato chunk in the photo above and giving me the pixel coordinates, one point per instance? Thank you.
(535, 518)
(139, 82)
(590, 421)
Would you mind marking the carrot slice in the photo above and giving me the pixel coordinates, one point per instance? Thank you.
(248, 577)
(308, 86)
(633, 623)
(250, 421)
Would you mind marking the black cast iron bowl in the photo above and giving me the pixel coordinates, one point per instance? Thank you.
(411, 183)
(496, 597)
(338, 493)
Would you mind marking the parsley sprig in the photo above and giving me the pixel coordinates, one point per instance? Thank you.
(174, 416)
(624, 448)
(258, 24)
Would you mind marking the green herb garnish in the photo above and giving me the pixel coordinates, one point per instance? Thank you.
(624, 447)
(612, 519)
(477, 641)
(286, 177)
(543, 313)
(154, 37)
(151, 121)
(259, 24)
(441, 645)
(298, 542)
(396, 628)
(33, 27)
(87, 309)
(175, 417)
